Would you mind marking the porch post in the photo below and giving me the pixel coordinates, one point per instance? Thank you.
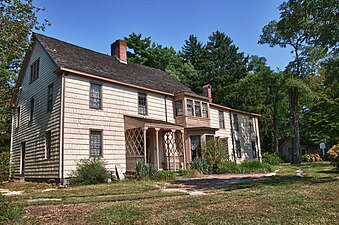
(183, 147)
(174, 150)
(145, 149)
(157, 146)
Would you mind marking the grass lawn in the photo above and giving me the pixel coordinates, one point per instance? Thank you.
(283, 199)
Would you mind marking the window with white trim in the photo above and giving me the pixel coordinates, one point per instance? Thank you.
(95, 96)
(95, 143)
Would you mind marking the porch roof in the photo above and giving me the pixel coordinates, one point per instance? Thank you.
(138, 122)
(208, 130)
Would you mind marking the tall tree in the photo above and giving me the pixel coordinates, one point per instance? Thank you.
(298, 27)
(223, 67)
(17, 21)
(192, 50)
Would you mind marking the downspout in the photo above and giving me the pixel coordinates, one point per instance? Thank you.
(61, 141)
(232, 135)
(165, 98)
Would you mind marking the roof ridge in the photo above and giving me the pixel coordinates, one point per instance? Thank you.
(75, 45)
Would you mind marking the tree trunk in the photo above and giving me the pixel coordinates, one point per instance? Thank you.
(275, 123)
(295, 137)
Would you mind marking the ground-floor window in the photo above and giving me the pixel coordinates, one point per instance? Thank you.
(237, 143)
(254, 150)
(195, 146)
(95, 143)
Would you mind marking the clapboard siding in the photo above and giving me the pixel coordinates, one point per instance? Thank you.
(33, 132)
(117, 101)
(222, 133)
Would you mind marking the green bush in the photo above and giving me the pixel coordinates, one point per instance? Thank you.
(271, 158)
(4, 166)
(90, 171)
(333, 155)
(215, 154)
(311, 158)
(244, 167)
(8, 212)
(228, 167)
(143, 170)
(199, 164)
(164, 175)
(182, 172)
(254, 167)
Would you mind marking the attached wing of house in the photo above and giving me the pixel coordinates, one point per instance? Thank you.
(73, 103)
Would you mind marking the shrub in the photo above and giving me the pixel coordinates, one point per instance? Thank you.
(215, 154)
(143, 170)
(311, 158)
(4, 166)
(182, 172)
(90, 171)
(193, 173)
(199, 164)
(254, 167)
(244, 167)
(8, 212)
(228, 167)
(333, 155)
(271, 158)
(164, 175)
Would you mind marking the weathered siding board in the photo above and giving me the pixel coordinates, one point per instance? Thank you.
(117, 101)
(33, 132)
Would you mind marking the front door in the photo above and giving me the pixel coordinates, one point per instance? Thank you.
(195, 146)
(22, 159)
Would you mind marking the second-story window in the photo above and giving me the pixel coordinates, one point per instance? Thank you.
(34, 70)
(95, 96)
(17, 116)
(197, 108)
(178, 108)
(250, 119)
(142, 103)
(50, 98)
(31, 112)
(204, 110)
(221, 119)
(189, 107)
(235, 122)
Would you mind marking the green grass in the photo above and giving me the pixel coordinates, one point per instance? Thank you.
(283, 199)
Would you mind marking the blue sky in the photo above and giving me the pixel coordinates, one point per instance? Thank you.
(96, 24)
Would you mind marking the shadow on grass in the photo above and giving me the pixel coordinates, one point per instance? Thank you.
(329, 171)
(242, 183)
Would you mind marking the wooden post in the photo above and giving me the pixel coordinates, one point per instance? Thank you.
(183, 148)
(157, 146)
(174, 149)
(145, 146)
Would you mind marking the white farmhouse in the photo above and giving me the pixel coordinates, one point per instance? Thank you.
(72, 103)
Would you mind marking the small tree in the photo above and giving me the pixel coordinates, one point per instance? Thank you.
(215, 154)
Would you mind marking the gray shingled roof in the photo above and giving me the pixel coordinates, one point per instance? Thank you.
(88, 61)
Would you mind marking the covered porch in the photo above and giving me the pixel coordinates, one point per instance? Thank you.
(156, 142)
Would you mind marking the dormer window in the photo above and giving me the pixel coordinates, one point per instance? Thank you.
(178, 108)
(197, 108)
(34, 70)
(189, 107)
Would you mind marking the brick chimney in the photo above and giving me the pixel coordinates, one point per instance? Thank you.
(118, 49)
(207, 90)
